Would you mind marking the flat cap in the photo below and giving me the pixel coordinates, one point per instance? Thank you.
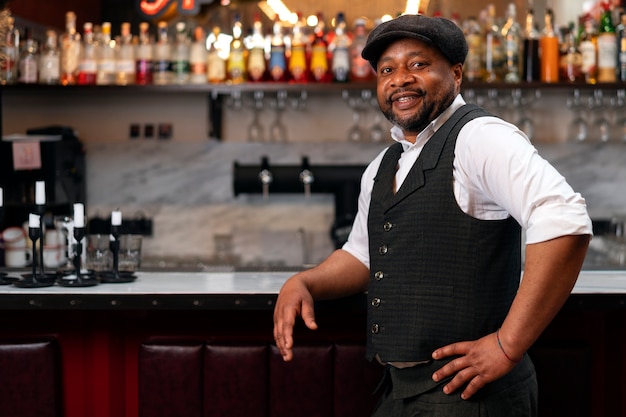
(442, 33)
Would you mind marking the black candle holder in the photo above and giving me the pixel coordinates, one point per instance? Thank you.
(41, 209)
(37, 278)
(79, 278)
(5, 278)
(115, 276)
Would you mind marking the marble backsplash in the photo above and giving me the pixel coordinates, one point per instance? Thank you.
(187, 189)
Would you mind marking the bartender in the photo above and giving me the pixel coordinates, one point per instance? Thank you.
(437, 240)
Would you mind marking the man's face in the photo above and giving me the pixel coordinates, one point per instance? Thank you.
(415, 83)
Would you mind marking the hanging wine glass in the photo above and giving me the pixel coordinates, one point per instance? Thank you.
(578, 128)
(278, 131)
(255, 129)
(620, 109)
(355, 133)
(523, 105)
(602, 125)
(377, 132)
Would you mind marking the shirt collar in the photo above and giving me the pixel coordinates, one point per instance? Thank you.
(398, 136)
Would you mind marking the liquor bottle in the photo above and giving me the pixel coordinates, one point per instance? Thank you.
(512, 33)
(607, 46)
(277, 65)
(494, 55)
(198, 57)
(257, 65)
(143, 56)
(216, 58)
(106, 57)
(621, 48)
(570, 64)
(297, 66)
(70, 50)
(10, 50)
(588, 47)
(50, 60)
(180, 58)
(27, 64)
(473, 67)
(320, 71)
(88, 64)
(236, 63)
(162, 66)
(339, 48)
(125, 59)
(360, 68)
(549, 50)
(530, 60)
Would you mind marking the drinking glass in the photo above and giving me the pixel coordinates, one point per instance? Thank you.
(130, 253)
(98, 257)
(66, 225)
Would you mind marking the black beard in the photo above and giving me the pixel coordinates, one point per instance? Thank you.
(420, 120)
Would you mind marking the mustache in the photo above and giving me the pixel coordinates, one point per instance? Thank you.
(418, 91)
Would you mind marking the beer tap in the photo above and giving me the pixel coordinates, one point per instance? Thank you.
(306, 177)
(265, 176)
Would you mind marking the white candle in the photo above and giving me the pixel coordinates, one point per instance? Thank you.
(1, 197)
(79, 215)
(40, 193)
(34, 221)
(116, 218)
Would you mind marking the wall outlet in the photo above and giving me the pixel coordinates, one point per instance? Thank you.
(165, 130)
(134, 131)
(148, 131)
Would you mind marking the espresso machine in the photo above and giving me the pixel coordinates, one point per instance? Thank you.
(60, 164)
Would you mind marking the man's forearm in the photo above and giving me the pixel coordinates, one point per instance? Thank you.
(550, 273)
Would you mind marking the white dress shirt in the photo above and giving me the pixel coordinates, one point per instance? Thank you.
(497, 173)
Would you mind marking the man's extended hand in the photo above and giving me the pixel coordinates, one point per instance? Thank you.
(293, 300)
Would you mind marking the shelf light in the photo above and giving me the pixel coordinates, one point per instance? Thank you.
(273, 8)
(416, 6)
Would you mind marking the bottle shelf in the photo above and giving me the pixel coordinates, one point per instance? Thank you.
(321, 88)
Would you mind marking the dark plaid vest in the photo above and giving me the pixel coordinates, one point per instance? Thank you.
(437, 275)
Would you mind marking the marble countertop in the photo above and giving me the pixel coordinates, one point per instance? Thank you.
(215, 290)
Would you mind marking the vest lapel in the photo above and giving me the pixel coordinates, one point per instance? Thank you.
(429, 156)
(384, 179)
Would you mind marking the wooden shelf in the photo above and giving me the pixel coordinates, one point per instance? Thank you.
(322, 88)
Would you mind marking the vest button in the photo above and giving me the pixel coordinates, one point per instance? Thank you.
(379, 275)
(375, 328)
(383, 249)
(387, 226)
(375, 302)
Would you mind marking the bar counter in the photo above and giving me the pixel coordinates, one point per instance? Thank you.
(237, 290)
(111, 339)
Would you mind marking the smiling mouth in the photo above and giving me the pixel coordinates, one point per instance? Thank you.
(405, 96)
(407, 101)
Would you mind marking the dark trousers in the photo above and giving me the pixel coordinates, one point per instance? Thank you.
(410, 392)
